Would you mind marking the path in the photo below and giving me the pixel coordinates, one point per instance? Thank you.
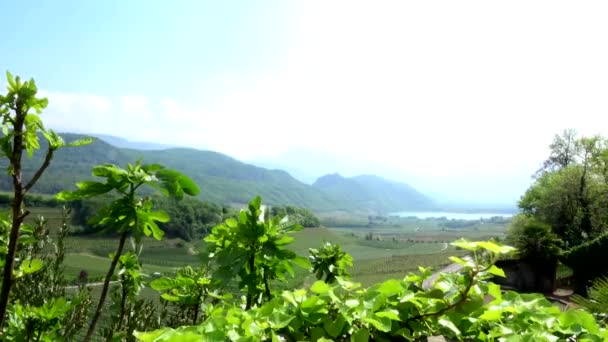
(448, 269)
(75, 287)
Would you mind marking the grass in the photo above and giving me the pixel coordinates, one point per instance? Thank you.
(97, 267)
(395, 249)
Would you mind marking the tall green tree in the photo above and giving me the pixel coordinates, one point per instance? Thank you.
(569, 193)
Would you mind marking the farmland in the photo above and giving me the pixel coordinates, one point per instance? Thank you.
(380, 250)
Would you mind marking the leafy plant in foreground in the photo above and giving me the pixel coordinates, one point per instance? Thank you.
(127, 311)
(398, 310)
(19, 111)
(129, 214)
(596, 300)
(253, 249)
(330, 262)
(188, 292)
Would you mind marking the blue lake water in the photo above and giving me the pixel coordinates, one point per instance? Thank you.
(449, 216)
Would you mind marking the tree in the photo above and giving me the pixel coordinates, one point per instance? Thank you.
(534, 240)
(563, 152)
(577, 211)
(21, 125)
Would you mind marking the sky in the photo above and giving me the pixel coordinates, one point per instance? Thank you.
(457, 98)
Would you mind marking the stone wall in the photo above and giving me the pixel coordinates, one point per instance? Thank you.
(526, 276)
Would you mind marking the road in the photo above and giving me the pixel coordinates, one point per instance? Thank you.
(448, 269)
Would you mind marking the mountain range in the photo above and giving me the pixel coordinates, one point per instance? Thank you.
(225, 180)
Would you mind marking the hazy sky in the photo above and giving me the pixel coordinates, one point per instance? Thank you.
(459, 98)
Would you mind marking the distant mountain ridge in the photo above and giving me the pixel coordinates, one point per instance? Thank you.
(373, 192)
(222, 179)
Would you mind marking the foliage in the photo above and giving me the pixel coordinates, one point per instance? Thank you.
(129, 214)
(581, 257)
(596, 300)
(38, 323)
(329, 262)
(187, 291)
(301, 216)
(571, 190)
(534, 240)
(22, 128)
(128, 312)
(398, 310)
(190, 217)
(254, 250)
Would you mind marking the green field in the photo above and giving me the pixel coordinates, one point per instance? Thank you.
(393, 249)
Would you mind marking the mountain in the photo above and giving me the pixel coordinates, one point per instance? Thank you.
(224, 180)
(373, 192)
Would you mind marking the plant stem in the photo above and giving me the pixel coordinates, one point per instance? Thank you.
(123, 302)
(250, 291)
(106, 284)
(18, 215)
(267, 287)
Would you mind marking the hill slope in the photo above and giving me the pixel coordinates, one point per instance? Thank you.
(222, 179)
(225, 180)
(373, 192)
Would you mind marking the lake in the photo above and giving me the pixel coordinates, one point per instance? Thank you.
(449, 216)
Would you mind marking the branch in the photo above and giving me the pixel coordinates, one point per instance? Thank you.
(45, 164)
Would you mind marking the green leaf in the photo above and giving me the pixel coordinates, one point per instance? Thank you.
(320, 287)
(380, 323)
(462, 262)
(86, 190)
(159, 216)
(494, 291)
(301, 261)
(464, 244)
(29, 267)
(176, 183)
(162, 284)
(390, 287)
(360, 335)
(11, 81)
(334, 328)
(496, 271)
(492, 314)
(579, 317)
(495, 248)
(279, 319)
(448, 324)
(255, 203)
(393, 315)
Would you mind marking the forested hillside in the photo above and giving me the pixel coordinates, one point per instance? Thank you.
(225, 180)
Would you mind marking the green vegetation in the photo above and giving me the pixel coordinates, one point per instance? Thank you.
(129, 215)
(397, 310)
(568, 198)
(301, 216)
(242, 285)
